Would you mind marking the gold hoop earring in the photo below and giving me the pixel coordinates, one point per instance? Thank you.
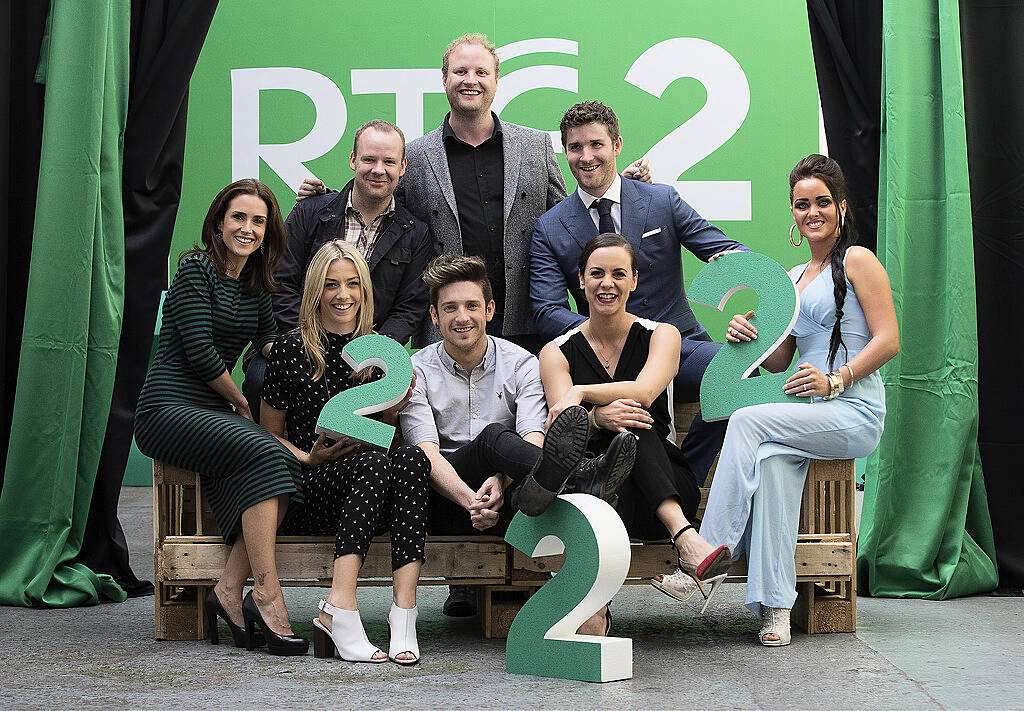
(795, 244)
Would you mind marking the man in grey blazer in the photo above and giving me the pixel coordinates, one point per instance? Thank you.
(480, 184)
(656, 222)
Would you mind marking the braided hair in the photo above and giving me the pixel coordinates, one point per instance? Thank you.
(828, 171)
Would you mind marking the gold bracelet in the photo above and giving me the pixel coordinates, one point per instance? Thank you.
(850, 368)
(835, 384)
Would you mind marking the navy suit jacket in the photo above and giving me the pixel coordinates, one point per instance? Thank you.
(656, 222)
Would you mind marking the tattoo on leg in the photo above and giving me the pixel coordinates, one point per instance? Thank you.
(260, 578)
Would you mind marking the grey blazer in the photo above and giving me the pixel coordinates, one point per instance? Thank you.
(533, 185)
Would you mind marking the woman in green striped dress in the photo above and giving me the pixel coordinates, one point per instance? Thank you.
(192, 415)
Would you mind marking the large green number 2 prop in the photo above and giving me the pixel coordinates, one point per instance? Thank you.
(342, 416)
(726, 386)
(543, 640)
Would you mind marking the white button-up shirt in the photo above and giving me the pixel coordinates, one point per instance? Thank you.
(613, 193)
(450, 407)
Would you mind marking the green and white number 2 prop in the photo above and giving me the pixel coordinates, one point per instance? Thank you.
(727, 385)
(344, 414)
(543, 639)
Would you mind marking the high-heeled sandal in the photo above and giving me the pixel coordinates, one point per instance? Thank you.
(346, 635)
(711, 571)
(214, 610)
(282, 645)
(774, 620)
(402, 623)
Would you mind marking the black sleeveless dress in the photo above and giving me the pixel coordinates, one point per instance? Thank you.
(660, 470)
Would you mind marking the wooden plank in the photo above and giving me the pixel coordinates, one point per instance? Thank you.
(177, 613)
(499, 605)
(176, 476)
(818, 612)
(833, 469)
(825, 557)
(202, 558)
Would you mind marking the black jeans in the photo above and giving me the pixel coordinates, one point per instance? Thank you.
(659, 472)
(497, 448)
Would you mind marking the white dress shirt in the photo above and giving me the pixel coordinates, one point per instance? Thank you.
(613, 193)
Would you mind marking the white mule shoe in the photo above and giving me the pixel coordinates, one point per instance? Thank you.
(403, 635)
(346, 635)
(774, 620)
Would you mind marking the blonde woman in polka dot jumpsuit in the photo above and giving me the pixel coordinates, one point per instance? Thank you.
(350, 491)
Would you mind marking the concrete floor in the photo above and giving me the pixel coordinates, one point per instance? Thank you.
(906, 654)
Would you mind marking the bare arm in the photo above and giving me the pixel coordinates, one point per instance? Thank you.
(871, 283)
(273, 421)
(445, 479)
(740, 329)
(534, 438)
(659, 370)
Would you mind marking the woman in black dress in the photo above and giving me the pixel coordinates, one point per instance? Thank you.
(192, 415)
(350, 492)
(621, 368)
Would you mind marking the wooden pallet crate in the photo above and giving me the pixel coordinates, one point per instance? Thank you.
(189, 556)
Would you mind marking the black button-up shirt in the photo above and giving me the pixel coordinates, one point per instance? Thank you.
(478, 179)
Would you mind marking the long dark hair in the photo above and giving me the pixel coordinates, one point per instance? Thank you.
(259, 267)
(828, 171)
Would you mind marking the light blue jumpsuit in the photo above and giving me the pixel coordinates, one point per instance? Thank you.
(754, 504)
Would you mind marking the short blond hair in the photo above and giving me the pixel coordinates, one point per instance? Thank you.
(470, 38)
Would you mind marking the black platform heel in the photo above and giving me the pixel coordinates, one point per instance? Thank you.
(214, 610)
(283, 645)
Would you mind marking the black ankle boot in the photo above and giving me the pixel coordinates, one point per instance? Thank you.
(564, 445)
(602, 476)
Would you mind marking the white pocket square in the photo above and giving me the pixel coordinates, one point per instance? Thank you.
(652, 232)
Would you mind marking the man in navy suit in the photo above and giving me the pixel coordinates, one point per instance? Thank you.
(656, 222)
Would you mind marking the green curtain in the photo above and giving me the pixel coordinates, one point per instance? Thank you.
(925, 527)
(73, 311)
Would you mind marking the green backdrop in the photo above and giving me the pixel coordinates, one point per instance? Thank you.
(325, 62)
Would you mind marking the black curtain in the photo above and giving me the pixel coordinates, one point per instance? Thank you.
(994, 98)
(21, 122)
(166, 37)
(846, 38)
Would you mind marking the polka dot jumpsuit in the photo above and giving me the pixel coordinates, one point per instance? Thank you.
(356, 496)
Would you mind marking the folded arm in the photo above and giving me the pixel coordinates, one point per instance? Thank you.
(659, 370)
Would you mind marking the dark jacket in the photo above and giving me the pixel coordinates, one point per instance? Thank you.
(403, 249)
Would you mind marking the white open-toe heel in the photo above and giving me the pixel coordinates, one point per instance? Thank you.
(774, 620)
(403, 634)
(346, 635)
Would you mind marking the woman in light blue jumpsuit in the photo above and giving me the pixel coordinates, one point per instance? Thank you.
(843, 336)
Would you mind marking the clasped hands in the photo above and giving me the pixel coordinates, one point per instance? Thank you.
(807, 381)
(483, 511)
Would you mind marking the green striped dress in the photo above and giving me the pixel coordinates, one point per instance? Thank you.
(207, 322)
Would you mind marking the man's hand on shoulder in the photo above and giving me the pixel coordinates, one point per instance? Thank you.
(637, 170)
(311, 187)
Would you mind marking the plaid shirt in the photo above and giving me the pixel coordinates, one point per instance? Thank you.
(358, 233)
